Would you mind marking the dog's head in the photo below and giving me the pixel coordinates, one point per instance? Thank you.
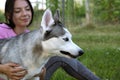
(57, 40)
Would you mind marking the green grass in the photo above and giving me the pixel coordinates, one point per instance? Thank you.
(102, 51)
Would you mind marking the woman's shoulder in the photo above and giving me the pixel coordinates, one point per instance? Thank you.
(4, 29)
(4, 26)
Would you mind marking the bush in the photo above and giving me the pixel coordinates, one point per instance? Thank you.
(2, 18)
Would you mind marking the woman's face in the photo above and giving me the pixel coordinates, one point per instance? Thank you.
(22, 14)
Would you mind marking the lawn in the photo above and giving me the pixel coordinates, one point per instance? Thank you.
(102, 51)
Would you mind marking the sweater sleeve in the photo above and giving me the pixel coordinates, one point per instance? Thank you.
(7, 32)
(1, 36)
(3, 32)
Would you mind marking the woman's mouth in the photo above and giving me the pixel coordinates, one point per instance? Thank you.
(25, 20)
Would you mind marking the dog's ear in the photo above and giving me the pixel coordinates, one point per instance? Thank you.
(57, 16)
(47, 19)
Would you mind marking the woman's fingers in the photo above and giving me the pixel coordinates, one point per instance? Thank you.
(19, 69)
(18, 73)
(16, 78)
(15, 71)
(12, 64)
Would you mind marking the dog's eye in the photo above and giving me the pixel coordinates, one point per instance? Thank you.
(65, 39)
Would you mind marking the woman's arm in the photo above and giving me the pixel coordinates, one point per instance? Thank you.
(12, 70)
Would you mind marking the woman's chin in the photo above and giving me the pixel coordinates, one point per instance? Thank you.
(24, 24)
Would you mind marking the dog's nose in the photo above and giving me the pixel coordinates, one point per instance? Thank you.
(81, 52)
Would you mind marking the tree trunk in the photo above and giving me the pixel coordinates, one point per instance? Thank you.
(88, 16)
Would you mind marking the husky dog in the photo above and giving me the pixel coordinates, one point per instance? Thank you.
(32, 50)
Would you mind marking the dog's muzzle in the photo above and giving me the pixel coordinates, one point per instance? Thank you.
(73, 56)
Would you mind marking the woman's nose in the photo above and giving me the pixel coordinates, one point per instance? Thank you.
(24, 12)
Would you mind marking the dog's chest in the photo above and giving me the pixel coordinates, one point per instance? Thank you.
(35, 67)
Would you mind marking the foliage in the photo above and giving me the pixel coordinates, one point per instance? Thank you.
(52, 4)
(107, 10)
(73, 9)
(2, 18)
(79, 10)
(36, 19)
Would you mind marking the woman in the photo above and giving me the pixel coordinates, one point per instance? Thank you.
(19, 15)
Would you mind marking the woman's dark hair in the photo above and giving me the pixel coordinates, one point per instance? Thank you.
(9, 9)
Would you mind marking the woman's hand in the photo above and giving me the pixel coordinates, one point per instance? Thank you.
(13, 71)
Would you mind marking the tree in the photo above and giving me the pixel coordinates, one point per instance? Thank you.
(107, 10)
(69, 9)
(52, 4)
(88, 12)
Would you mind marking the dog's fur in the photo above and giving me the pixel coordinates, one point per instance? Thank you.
(32, 50)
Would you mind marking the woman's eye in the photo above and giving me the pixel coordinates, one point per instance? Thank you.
(16, 11)
(65, 39)
(28, 9)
